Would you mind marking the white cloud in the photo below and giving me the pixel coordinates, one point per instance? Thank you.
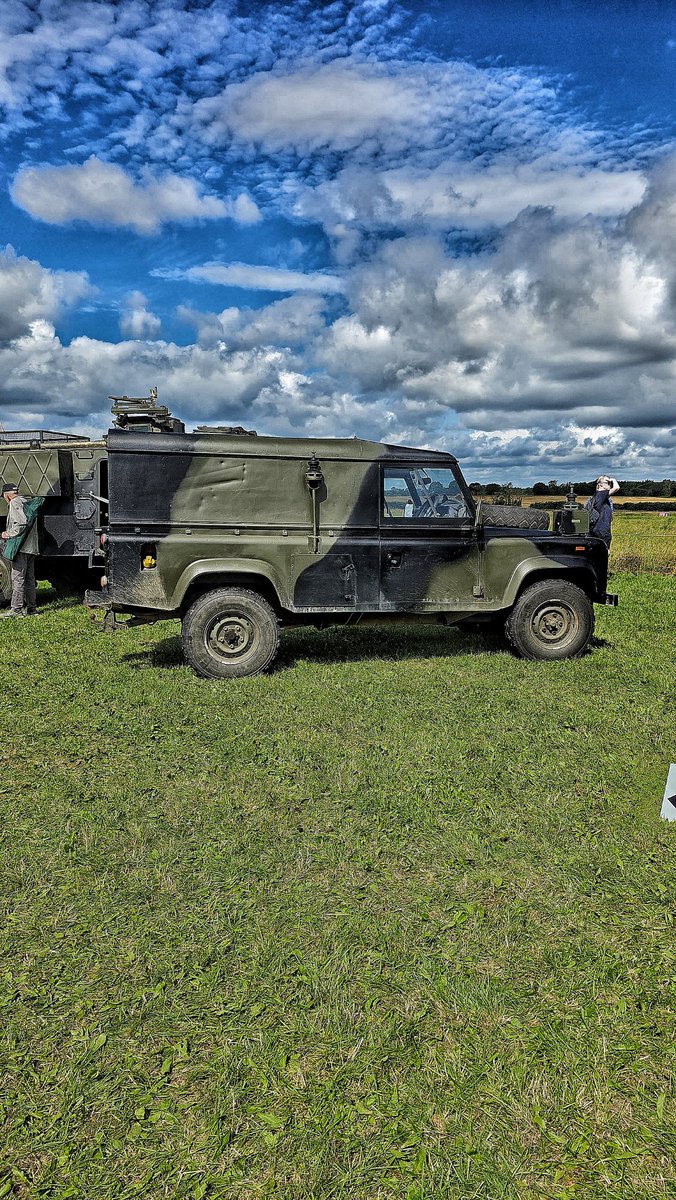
(244, 210)
(428, 112)
(245, 275)
(558, 327)
(136, 321)
(30, 292)
(103, 194)
(294, 321)
(464, 197)
(274, 391)
(337, 105)
(72, 382)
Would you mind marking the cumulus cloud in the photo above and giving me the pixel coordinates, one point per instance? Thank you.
(464, 197)
(546, 325)
(30, 292)
(104, 194)
(71, 383)
(375, 146)
(504, 272)
(136, 321)
(245, 275)
(294, 321)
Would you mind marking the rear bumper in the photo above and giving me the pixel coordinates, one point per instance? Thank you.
(96, 599)
(609, 598)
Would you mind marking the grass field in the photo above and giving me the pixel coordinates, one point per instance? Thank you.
(619, 499)
(644, 542)
(641, 541)
(393, 922)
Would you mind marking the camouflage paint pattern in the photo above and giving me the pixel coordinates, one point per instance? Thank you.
(189, 512)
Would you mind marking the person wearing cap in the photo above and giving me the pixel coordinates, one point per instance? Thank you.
(23, 602)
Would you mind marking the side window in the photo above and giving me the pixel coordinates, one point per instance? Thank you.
(422, 493)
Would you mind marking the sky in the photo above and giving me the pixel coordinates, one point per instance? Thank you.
(436, 224)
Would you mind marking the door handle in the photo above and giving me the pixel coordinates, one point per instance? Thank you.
(394, 558)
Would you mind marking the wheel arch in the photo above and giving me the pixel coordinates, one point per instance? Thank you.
(205, 578)
(573, 571)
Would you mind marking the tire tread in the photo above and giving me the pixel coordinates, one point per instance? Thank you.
(198, 657)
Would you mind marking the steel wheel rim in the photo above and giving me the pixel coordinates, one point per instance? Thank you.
(555, 623)
(230, 636)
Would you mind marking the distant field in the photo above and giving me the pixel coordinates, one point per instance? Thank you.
(394, 922)
(527, 500)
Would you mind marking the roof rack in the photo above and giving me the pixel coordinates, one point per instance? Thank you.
(37, 437)
(230, 430)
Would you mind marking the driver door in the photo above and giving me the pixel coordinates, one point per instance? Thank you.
(428, 554)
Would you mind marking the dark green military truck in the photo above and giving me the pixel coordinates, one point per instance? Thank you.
(239, 535)
(69, 473)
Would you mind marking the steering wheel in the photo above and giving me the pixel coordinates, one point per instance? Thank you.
(457, 508)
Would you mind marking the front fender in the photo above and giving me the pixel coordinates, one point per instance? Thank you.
(538, 566)
(219, 568)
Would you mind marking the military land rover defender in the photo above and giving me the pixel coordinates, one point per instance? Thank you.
(239, 535)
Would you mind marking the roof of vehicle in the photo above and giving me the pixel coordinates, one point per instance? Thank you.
(245, 446)
(43, 439)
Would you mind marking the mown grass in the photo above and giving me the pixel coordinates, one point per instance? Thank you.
(392, 922)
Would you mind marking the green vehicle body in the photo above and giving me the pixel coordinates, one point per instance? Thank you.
(324, 531)
(70, 473)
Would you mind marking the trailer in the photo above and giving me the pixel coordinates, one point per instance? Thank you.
(69, 471)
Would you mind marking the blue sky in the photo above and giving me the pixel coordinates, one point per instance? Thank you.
(441, 224)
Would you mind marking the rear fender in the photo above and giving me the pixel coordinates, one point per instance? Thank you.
(206, 573)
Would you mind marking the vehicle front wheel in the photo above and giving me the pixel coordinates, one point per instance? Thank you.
(552, 619)
(228, 633)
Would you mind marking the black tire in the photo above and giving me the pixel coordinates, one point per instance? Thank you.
(552, 619)
(5, 583)
(512, 517)
(229, 633)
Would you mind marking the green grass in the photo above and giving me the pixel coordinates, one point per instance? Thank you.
(394, 922)
(644, 542)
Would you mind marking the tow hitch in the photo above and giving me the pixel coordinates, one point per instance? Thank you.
(101, 613)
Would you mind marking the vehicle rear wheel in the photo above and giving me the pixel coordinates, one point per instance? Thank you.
(5, 583)
(551, 619)
(228, 633)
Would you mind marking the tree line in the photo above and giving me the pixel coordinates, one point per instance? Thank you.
(628, 487)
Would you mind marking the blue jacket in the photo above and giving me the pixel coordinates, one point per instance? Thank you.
(601, 504)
